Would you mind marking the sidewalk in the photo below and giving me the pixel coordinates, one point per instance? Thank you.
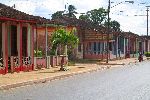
(41, 76)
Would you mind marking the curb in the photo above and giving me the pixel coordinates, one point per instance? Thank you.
(44, 80)
(52, 78)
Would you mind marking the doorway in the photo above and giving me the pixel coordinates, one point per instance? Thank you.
(14, 51)
(1, 53)
(24, 41)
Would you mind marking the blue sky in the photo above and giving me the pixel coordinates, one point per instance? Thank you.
(123, 13)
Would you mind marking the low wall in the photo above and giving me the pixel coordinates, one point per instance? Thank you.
(52, 61)
(95, 56)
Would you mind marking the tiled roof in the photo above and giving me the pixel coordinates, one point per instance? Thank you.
(9, 12)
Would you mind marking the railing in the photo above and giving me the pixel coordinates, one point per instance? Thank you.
(27, 63)
(2, 68)
(14, 64)
(1, 63)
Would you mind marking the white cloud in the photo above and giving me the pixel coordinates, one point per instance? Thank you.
(128, 21)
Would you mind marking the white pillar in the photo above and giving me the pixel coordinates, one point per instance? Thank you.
(46, 40)
(18, 39)
(5, 45)
(117, 47)
(124, 46)
(9, 40)
(148, 45)
(32, 43)
(3, 40)
(127, 44)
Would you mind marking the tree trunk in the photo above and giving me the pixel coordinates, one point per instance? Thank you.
(65, 50)
(63, 64)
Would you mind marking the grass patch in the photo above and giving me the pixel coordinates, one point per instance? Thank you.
(71, 63)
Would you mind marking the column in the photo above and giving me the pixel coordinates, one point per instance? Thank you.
(47, 46)
(124, 46)
(5, 45)
(9, 40)
(32, 46)
(19, 44)
(117, 47)
(97, 50)
(28, 40)
(148, 46)
(19, 30)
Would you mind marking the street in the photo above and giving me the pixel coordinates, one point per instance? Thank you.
(131, 82)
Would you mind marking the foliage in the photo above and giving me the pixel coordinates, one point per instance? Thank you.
(70, 13)
(53, 51)
(147, 54)
(62, 37)
(114, 25)
(84, 17)
(38, 53)
(71, 63)
(97, 16)
(57, 15)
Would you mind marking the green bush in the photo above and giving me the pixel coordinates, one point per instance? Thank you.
(38, 53)
(71, 63)
(147, 54)
(52, 51)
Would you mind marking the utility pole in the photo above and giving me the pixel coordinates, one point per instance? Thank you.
(146, 41)
(108, 27)
(147, 29)
(147, 20)
(108, 31)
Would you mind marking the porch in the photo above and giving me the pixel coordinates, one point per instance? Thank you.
(16, 46)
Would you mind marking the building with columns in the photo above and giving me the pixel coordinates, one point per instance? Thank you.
(16, 40)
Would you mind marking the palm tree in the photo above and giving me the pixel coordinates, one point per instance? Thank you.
(71, 11)
(65, 39)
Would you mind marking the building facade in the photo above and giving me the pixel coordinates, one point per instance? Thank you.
(16, 40)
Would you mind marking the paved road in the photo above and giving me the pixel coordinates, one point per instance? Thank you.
(125, 83)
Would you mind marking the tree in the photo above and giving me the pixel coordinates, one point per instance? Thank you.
(84, 17)
(58, 14)
(97, 16)
(114, 25)
(71, 11)
(65, 39)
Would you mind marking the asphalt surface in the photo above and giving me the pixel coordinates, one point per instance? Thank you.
(131, 82)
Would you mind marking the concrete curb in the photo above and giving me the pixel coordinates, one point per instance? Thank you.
(44, 80)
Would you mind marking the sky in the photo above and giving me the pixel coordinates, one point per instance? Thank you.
(124, 13)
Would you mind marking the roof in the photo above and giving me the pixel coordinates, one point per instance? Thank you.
(66, 21)
(9, 13)
(145, 37)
